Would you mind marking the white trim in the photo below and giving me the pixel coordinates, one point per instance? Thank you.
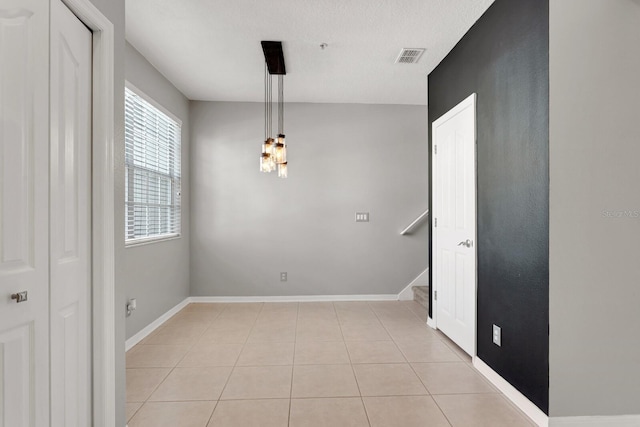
(422, 280)
(103, 215)
(155, 325)
(298, 298)
(596, 421)
(431, 323)
(142, 94)
(510, 392)
(142, 241)
(539, 417)
(415, 222)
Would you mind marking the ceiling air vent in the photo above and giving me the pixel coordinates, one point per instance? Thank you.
(409, 56)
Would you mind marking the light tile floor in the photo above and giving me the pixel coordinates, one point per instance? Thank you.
(372, 364)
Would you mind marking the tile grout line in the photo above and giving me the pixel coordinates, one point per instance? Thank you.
(200, 337)
(421, 381)
(171, 369)
(418, 376)
(416, 314)
(441, 410)
(135, 412)
(233, 368)
(293, 362)
(403, 355)
(218, 400)
(211, 416)
(364, 407)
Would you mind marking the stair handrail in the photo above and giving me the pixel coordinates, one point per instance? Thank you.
(411, 226)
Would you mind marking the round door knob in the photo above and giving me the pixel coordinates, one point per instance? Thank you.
(20, 296)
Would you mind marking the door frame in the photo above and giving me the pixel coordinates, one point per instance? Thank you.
(102, 212)
(433, 320)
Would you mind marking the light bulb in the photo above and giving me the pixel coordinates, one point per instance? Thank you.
(280, 150)
(266, 163)
(267, 147)
(282, 170)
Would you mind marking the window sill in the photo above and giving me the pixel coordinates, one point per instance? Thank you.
(150, 240)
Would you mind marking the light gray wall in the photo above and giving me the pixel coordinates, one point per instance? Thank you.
(342, 159)
(594, 259)
(113, 10)
(157, 274)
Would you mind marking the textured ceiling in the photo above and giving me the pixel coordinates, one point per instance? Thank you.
(210, 49)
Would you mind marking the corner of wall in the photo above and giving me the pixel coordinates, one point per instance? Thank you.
(422, 280)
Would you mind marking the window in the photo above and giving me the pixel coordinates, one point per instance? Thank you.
(152, 168)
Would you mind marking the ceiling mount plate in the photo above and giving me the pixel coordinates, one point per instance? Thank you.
(274, 57)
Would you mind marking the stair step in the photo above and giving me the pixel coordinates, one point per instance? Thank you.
(421, 295)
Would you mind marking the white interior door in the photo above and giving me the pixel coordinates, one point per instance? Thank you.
(70, 245)
(454, 232)
(24, 213)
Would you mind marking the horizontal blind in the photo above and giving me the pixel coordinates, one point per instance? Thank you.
(152, 168)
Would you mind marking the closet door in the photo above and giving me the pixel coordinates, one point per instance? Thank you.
(24, 213)
(70, 199)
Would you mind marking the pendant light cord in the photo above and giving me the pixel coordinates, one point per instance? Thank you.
(280, 104)
(266, 112)
(270, 89)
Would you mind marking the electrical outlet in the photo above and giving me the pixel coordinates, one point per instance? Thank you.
(497, 335)
(132, 304)
(362, 216)
(283, 276)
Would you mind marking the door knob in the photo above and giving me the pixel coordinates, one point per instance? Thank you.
(468, 243)
(20, 297)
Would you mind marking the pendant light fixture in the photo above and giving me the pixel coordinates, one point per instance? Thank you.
(274, 152)
(280, 147)
(267, 159)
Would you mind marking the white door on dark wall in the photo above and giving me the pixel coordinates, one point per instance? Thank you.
(70, 207)
(454, 227)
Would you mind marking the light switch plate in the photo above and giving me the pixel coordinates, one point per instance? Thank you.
(362, 216)
(497, 335)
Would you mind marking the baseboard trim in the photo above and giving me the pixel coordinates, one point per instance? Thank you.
(154, 325)
(407, 293)
(510, 392)
(431, 323)
(596, 421)
(298, 298)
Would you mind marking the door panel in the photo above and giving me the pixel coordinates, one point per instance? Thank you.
(16, 242)
(24, 255)
(455, 209)
(16, 354)
(70, 219)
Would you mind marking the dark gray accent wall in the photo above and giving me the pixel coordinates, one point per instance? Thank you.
(504, 58)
